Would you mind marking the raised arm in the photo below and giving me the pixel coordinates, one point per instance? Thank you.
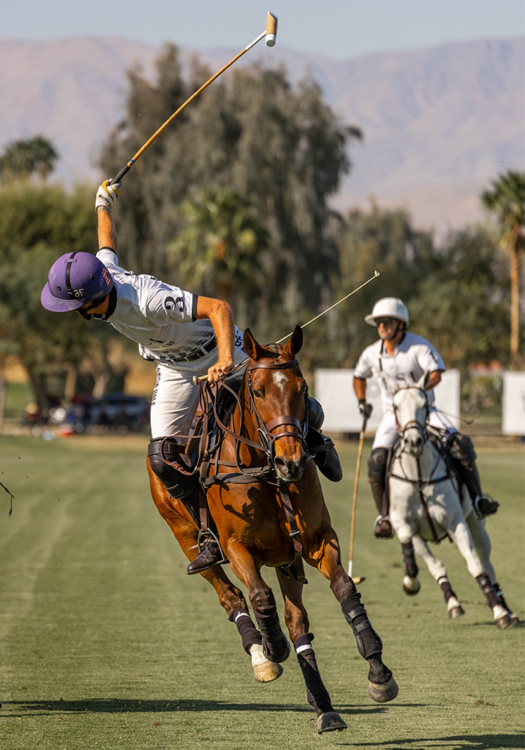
(107, 235)
(106, 197)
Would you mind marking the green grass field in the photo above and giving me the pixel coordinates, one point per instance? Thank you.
(106, 643)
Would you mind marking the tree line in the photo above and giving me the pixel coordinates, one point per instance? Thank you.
(233, 201)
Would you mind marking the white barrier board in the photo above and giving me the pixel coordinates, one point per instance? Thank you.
(514, 403)
(333, 389)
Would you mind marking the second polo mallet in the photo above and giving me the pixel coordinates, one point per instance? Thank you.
(269, 35)
(359, 579)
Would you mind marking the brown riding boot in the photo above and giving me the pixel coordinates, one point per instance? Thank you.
(211, 554)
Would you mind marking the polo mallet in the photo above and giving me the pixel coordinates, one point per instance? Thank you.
(269, 34)
(358, 579)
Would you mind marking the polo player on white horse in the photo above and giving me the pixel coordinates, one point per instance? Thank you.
(405, 357)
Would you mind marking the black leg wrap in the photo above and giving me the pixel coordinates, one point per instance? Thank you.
(368, 642)
(316, 692)
(409, 559)
(275, 644)
(488, 589)
(446, 588)
(246, 628)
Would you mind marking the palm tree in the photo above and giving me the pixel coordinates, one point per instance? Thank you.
(507, 201)
(219, 250)
(24, 158)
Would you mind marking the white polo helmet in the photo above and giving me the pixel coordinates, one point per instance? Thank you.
(388, 307)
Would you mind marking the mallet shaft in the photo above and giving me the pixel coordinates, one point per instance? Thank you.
(354, 499)
(155, 135)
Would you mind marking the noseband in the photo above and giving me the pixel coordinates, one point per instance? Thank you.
(265, 430)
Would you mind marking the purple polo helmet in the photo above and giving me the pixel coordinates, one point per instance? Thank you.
(75, 279)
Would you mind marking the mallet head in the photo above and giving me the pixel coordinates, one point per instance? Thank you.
(271, 30)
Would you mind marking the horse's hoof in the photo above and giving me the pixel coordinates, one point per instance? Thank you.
(514, 618)
(330, 722)
(455, 612)
(263, 669)
(383, 693)
(504, 622)
(411, 586)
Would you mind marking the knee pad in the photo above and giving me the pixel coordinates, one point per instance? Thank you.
(315, 413)
(461, 448)
(377, 465)
(179, 485)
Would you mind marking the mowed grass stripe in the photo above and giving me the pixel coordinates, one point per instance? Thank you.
(143, 656)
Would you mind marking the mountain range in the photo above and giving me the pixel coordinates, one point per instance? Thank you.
(438, 123)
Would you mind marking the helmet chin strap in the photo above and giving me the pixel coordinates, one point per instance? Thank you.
(85, 312)
(390, 338)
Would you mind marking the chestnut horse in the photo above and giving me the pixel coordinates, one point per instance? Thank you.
(271, 511)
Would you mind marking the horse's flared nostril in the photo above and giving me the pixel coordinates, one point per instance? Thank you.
(291, 470)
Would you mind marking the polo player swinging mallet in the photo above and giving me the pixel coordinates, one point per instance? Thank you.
(187, 335)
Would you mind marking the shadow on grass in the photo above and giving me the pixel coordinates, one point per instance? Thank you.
(454, 742)
(132, 705)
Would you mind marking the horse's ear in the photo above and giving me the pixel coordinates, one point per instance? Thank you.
(423, 381)
(254, 350)
(295, 342)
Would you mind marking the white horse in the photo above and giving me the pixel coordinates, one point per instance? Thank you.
(425, 505)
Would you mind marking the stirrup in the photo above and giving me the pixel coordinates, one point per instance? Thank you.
(383, 528)
(210, 553)
(485, 505)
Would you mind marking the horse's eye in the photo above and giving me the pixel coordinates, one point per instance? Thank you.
(257, 393)
(304, 389)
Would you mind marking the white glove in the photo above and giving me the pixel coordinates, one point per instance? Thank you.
(106, 195)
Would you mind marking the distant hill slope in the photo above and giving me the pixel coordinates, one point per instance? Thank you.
(439, 123)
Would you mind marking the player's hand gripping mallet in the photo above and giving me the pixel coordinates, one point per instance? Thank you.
(269, 35)
(359, 579)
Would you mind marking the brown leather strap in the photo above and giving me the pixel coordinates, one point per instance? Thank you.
(295, 534)
(273, 365)
(278, 421)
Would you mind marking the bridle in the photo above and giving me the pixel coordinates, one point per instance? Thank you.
(421, 427)
(265, 429)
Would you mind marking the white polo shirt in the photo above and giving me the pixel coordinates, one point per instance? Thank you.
(151, 312)
(413, 356)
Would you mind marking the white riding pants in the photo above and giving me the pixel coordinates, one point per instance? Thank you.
(175, 397)
(387, 432)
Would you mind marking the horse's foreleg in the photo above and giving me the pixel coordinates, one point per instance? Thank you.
(324, 553)
(296, 619)
(460, 534)
(230, 597)
(439, 573)
(411, 585)
(274, 642)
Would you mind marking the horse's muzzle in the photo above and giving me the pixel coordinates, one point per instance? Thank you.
(414, 445)
(290, 469)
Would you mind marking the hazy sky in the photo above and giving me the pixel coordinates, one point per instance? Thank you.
(337, 28)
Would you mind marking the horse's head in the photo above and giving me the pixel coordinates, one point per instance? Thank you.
(411, 410)
(277, 396)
